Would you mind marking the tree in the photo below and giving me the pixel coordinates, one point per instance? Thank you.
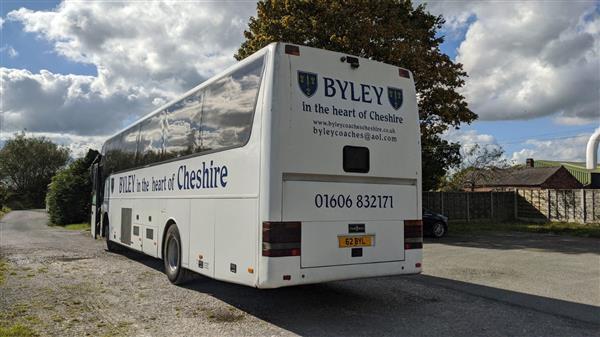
(3, 195)
(481, 164)
(69, 194)
(27, 165)
(390, 31)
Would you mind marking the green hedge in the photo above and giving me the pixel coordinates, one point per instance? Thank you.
(69, 194)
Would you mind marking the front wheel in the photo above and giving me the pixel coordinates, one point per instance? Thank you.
(172, 257)
(438, 230)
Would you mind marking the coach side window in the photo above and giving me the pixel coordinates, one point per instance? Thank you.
(129, 143)
(151, 146)
(121, 151)
(229, 108)
(182, 125)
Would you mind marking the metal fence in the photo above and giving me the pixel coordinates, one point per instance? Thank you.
(580, 205)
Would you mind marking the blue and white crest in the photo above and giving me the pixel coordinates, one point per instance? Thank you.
(395, 97)
(307, 82)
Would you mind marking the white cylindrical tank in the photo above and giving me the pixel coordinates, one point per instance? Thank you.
(591, 156)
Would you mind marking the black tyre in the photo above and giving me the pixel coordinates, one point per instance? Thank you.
(172, 257)
(438, 229)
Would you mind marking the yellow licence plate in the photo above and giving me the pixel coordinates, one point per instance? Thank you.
(356, 241)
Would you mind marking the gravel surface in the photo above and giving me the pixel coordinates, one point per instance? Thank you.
(63, 283)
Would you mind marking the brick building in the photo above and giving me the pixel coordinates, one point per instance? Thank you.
(529, 177)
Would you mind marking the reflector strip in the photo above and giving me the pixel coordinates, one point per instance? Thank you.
(416, 245)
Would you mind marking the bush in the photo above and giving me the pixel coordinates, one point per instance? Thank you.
(69, 194)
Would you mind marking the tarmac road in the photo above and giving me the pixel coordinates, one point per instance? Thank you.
(63, 283)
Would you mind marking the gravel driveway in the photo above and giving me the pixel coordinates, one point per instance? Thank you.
(63, 283)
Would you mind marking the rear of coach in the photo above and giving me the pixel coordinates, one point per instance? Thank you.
(342, 170)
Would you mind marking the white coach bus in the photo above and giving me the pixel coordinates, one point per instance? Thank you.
(296, 165)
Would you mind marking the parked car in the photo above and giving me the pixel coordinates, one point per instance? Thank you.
(434, 224)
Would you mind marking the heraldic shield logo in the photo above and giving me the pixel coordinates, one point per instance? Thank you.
(307, 83)
(395, 97)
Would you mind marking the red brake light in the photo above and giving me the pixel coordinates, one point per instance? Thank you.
(413, 234)
(404, 73)
(292, 50)
(281, 238)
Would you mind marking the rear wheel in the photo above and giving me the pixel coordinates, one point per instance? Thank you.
(172, 257)
(438, 230)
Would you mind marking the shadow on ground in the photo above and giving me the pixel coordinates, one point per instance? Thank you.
(517, 240)
(387, 306)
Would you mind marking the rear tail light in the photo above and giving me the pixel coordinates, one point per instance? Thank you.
(403, 73)
(413, 234)
(292, 50)
(281, 238)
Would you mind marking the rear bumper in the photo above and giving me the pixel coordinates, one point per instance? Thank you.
(273, 270)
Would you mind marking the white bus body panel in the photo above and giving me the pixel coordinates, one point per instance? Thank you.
(218, 226)
(307, 140)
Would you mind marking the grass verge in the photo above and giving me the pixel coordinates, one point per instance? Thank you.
(73, 227)
(12, 321)
(17, 330)
(3, 211)
(563, 228)
(3, 271)
(78, 226)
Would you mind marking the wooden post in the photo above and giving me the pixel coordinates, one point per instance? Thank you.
(593, 205)
(491, 205)
(583, 208)
(516, 203)
(468, 208)
(549, 206)
(566, 214)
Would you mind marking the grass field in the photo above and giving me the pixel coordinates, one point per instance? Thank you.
(564, 228)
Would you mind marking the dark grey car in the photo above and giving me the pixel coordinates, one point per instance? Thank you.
(434, 224)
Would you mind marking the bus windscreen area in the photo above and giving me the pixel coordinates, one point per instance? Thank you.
(356, 159)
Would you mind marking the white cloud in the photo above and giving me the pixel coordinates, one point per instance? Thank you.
(171, 46)
(529, 59)
(565, 149)
(145, 53)
(75, 104)
(468, 138)
(566, 120)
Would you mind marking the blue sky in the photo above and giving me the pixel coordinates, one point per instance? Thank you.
(516, 86)
(35, 54)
